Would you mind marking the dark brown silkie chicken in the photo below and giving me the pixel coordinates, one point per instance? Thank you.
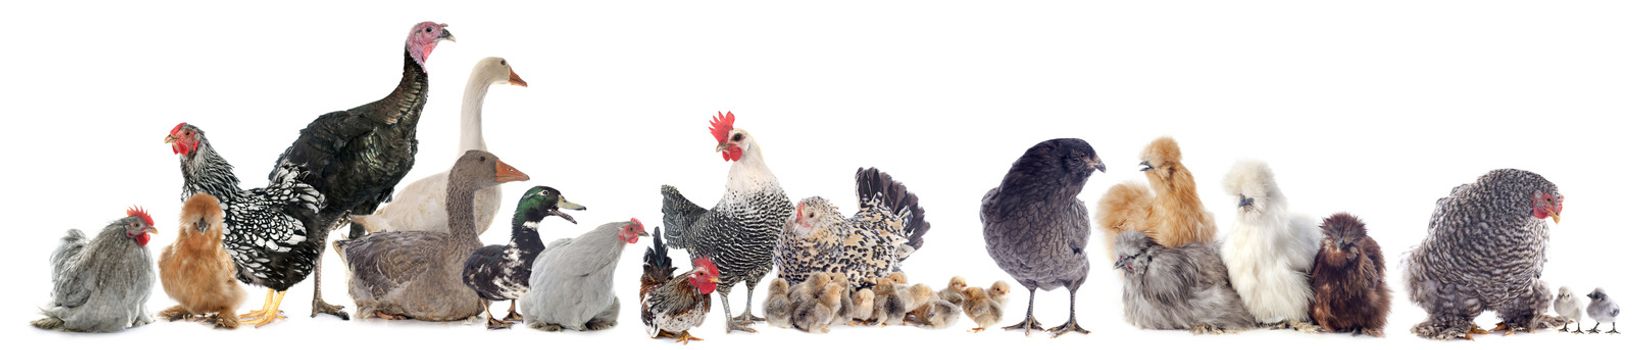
(1348, 279)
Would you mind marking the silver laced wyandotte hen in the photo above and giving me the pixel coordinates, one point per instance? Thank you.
(1486, 247)
(1036, 228)
(740, 232)
(887, 228)
(356, 157)
(101, 284)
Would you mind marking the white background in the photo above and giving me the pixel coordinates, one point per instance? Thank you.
(1377, 108)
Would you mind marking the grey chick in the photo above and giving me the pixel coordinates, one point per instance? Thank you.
(815, 316)
(942, 314)
(1602, 309)
(1570, 308)
(808, 291)
(889, 303)
(1036, 229)
(955, 291)
(101, 284)
(919, 298)
(778, 310)
(846, 302)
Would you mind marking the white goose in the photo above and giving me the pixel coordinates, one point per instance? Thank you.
(421, 206)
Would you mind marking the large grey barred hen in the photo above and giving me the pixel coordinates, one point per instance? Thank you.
(1486, 247)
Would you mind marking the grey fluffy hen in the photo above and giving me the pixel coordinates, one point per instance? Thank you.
(1186, 287)
(1036, 228)
(1485, 250)
(101, 284)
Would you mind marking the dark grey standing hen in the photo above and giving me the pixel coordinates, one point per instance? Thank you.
(1035, 226)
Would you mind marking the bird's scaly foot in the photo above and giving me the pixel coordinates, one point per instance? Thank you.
(495, 324)
(321, 307)
(596, 325)
(738, 324)
(1206, 329)
(1375, 332)
(1029, 324)
(686, 337)
(1430, 330)
(268, 318)
(1070, 326)
(389, 316)
(513, 317)
(224, 321)
(977, 329)
(175, 313)
(1476, 330)
(1305, 327)
(748, 318)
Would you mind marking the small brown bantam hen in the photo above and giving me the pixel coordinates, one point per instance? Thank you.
(196, 270)
(1169, 211)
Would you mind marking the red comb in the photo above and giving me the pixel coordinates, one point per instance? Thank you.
(177, 128)
(720, 126)
(707, 265)
(140, 213)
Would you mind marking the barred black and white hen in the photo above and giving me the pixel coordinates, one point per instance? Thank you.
(887, 228)
(262, 232)
(740, 232)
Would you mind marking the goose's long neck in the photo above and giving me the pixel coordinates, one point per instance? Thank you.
(470, 114)
(461, 208)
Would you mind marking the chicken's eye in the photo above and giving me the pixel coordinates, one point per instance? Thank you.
(427, 29)
(736, 138)
(501, 62)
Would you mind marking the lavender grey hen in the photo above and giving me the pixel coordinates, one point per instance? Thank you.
(261, 227)
(101, 283)
(1485, 250)
(1187, 287)
(740, 232)
(357, 156)
(1036, 228)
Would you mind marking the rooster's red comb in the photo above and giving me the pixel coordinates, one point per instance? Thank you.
(139, 213)
(721, 126)
(707, 265)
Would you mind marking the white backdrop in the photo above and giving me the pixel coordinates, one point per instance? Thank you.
(1377, 108)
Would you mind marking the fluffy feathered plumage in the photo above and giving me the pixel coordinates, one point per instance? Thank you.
(1270, 250)
(101, 284)
(196, 270)
(1569, 308)
(1169, 210)
(1185, 288)
(1035, 227)
(1351, 294)
(572, 280)
(1602, 310)
(888, 227)
(778, 310)
(672, 305)
(1485, 250)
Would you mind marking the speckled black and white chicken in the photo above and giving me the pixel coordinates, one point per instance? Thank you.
(262, 230)
(740, 232)
(871, 244)
(1485, 250)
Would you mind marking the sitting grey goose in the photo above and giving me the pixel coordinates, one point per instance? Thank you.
(416, 275)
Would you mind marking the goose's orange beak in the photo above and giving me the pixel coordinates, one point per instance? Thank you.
(506, 173)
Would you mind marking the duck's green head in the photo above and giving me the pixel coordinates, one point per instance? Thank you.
(542, 201)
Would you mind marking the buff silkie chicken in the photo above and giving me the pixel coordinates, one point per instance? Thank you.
(1169, 211)
(101, 284)
(197, 271)
(873, 243)
(1270, 251)
(1485, 250)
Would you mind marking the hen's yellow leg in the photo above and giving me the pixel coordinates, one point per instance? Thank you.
(273, 311)
(256, 315)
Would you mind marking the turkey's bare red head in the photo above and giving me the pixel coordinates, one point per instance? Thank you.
(1547, 205)
(139, 225)
(705, 276)
(632, 231)
(424, 38)
(730, 141)
(184, 139)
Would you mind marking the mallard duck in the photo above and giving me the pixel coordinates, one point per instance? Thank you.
(499, 272)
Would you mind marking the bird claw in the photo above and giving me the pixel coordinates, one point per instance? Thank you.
(738, 325)
(494, 324)
(321, 307)
(513, 317)
(686, 337)
(1070, 327)
(1029, 324)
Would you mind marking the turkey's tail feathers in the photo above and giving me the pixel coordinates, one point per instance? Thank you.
(1124, 208)
(72, 244)
(874, 187)
(656, 266)
(679, 214)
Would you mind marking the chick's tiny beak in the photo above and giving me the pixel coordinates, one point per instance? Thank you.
(506, 173)
(447, 35)
(1097, 164)
(517, 79)
(1244, 202)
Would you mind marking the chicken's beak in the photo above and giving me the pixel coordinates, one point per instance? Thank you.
(506, 173)
(517, 79)
(1120, 264)
(721, 147)
(151, 230)
(1555, 215)
(1097, 164)
(1145, 166)
(714, 279)
(168, 139)
(447, 35)
(1244, 202)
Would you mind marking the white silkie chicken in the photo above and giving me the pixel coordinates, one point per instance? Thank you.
(1270, 251)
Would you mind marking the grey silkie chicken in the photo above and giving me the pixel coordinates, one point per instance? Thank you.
(1178, 288)
(1485, 250)
(1569, 308)
(1602, 310)
(101, 284)
(571, 286)
(1035, 227)
(778, 310)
